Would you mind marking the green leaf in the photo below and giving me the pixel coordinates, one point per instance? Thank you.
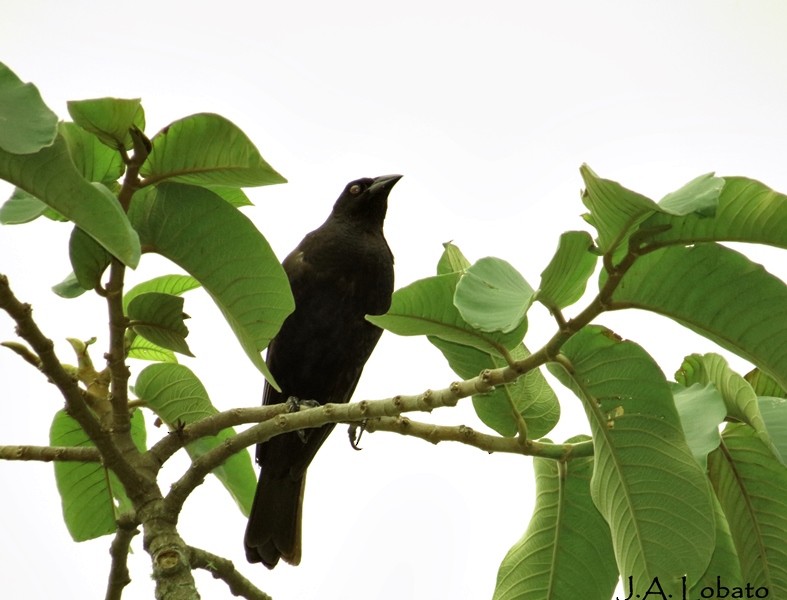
(159, 318)
(764, 384)
(718, 293)
(492, 295)
(566, 551)
(234, 196)
(699, 196)
(165, 284)
(426, 307)
(529, 396)
(207, 150)
(452, 260)
(109, 119)
(50, 176)
(142, 349)
(646, 482)
(617, 212)
(724, 561)
(176, 395)
(614, 210)
(751, 485)
(69, 287)
(234, 263)
(774, 414)
(20, 208)
(90, 493)
(95, 161)
(564, 280)
(748, 211)
(28, 125)
(701, 410)
(88, 259)
(739, 397)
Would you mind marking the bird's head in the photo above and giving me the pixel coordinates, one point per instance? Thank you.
(365, 200)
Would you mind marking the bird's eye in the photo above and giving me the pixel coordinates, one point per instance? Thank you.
(355, 190)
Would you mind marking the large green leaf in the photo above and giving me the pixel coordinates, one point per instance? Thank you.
(426, 307)
(764, 384)
(774, 414)
(217, 245)
(701, 410)
(142, 349)
(751, 485)
(90, 494)
(566, 551)
(20, 208)
(88, 259)
(739, 397)
(700, 196)
(50, 176)
(529, 396)
(718, 293)
(160, 319)
(616, 212)
(564, 280)
(724, 562)
(176, 395)
(492, 295)
(451, 260)
(208, 150)
(28, 125)
(109, 119)
(646, 482)
(747, 211)
(94, 160)
(166, 284)
(139, 347)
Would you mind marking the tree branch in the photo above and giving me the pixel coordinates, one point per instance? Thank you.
(223, 569)
(177, 439)
(76, 405)
(50, 453)
(489, 443)
(328, 413)
(119, 576)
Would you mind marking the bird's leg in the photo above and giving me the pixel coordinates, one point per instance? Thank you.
(355, 431)
(294, 404)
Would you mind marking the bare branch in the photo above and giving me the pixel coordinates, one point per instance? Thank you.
(119, 576)
(165, 448)
(76, 405)
(489, 443)
(223, 569)
(50, 453)
(329, 413)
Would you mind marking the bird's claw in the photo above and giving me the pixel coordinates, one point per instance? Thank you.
(295, 404)
(355, 431)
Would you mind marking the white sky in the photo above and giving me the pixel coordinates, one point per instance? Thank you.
(488, 110)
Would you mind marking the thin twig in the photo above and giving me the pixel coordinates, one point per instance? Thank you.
(76, 404)
(50, 453)
(489, 443)
(224, 569)
(119, 577)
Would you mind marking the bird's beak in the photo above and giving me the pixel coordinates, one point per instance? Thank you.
(383, 183)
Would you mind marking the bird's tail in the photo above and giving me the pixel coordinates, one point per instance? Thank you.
(274, 528)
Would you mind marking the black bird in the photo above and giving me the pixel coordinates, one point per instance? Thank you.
(339, 272)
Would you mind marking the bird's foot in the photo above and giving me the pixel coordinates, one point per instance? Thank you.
(355, 431)
(295, 404)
